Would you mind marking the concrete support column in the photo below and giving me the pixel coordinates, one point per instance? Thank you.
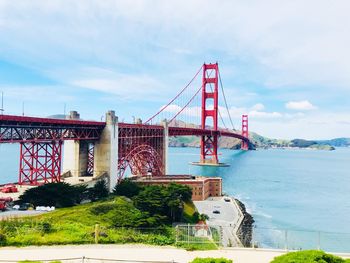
(165, 146)
(106, 151)
(75, 157)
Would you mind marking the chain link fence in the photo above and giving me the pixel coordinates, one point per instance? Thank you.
(270, 238)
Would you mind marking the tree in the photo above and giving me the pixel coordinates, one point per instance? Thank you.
(98, 191)
(127, 188)
(160, 200)
(54, 194)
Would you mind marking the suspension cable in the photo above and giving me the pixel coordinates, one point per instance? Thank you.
(187, 103)
(223, 93)
(163, 108)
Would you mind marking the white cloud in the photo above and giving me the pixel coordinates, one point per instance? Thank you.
(131, 86)
(264, 115)
(189, 111)
(312, 126)
(258, 107)
(271, 42)
(303, 105)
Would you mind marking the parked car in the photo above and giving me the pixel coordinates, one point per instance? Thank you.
(216, 212)
(9, 188)
(6, 199)
(24, 206)
(2, 205)
(227, 199)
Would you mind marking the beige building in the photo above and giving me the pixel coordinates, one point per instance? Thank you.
(202, 187)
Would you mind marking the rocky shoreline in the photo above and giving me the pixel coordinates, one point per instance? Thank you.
(245, 230)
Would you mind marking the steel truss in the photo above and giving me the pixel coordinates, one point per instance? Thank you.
(29, 129)
(40, 162)
(90, 165)
(140, 150)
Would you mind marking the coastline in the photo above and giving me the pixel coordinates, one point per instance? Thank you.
(245, 229)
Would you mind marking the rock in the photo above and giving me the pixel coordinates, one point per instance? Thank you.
(245, 230)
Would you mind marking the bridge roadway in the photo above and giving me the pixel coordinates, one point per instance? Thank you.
(95, 148)
(27, 129)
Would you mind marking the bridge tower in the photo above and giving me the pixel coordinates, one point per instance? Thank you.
(245, 132)
(209, 143)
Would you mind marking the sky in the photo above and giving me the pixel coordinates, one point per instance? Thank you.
(285, 63)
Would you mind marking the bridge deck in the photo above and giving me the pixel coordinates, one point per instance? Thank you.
(23, 128)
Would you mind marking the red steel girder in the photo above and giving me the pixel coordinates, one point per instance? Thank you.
(140, 148)
(29, 129)
(40, 163)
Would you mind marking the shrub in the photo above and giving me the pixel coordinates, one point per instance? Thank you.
(309, 256)
(99, 190)
(103, 208)
(127, 188)
(45, 227)
(53, 194)
(165, 201)
(2, 238)
(211, 260)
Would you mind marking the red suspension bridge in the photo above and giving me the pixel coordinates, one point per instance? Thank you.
(92, 148)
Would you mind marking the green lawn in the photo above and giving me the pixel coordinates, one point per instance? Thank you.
(76, 225)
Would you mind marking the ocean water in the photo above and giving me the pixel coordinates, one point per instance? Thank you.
(298, 198)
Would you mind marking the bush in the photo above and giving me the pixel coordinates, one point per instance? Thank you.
(211, 260)
(127, 188)
(99, 190)
(53, 194)
(2, 238)
(46, 227)
(165, 201)
(309, 256)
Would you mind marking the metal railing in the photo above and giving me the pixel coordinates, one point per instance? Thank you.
(223, 236)
(264, 238)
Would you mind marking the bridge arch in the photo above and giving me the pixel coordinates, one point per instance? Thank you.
(141, 160)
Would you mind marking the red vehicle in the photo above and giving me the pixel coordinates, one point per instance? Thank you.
(6, 199)
(2, 205)
(9, 188)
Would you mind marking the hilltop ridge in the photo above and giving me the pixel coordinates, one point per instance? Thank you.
(259, 141)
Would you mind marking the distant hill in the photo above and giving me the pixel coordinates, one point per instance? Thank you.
(338, 142)
(258, 141)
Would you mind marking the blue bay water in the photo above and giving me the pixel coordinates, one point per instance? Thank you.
(283, 189)
(296, 190)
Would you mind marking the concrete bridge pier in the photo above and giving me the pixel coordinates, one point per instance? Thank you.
(106, 151)
(75, 157)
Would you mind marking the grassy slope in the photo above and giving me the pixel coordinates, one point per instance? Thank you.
(189, 210)
(75, 225)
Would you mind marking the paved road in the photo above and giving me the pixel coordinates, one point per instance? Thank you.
(227, 212)
(16, 213)
(226, 221)
(134, 253)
